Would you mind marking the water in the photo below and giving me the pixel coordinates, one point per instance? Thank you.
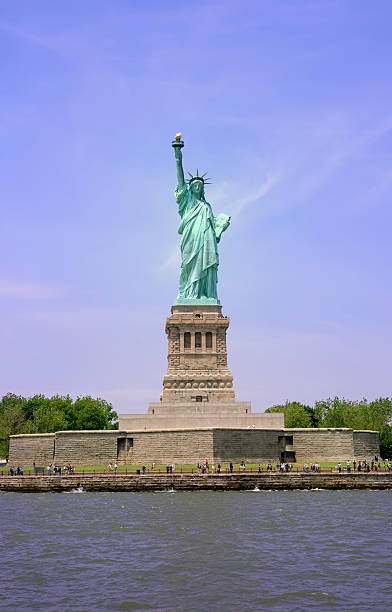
(184, 551)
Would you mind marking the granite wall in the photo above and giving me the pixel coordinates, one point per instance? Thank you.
(188, 446)
(25, 449)
(321, 444)
(249, 445)
(366, 444)
(188, 482)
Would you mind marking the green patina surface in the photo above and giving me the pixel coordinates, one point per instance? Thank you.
(200, 233)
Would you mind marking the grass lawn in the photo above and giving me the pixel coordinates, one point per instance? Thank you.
(250, 467)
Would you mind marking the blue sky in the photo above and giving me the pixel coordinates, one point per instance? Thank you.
(288, 107)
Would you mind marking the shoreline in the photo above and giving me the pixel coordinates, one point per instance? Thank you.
(195, 482)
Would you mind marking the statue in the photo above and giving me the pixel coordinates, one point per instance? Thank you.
(200, 232)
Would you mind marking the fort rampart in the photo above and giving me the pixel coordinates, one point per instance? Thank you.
(189, 446)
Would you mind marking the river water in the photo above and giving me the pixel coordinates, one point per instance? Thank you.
(184, 551)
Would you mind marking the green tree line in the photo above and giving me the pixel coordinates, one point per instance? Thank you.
(340, 412)
(40, 414)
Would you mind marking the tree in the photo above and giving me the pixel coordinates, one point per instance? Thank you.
(12, 419)
(47, 419)
(40, 414)
(92, 413)
(295, 414)
(386, 442)
(111, 415)
(361, 414)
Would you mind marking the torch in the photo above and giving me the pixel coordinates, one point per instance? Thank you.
(177, 143)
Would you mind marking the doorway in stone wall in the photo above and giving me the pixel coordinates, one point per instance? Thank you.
(124, 450)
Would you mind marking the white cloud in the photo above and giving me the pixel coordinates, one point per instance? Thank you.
(241, 203)
(31, 291)
(173, 261)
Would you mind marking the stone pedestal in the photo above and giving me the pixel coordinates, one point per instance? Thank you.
(197, 357)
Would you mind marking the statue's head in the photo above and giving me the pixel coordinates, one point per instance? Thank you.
(196, 184)
(197, 188)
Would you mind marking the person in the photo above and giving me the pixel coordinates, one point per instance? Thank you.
(339, 467)
(152, 466)
(349, 466)
(219, 468)
(200, 232)
(110, 467)
(213, 468)
(144, 469)
(115, 467)
(231, 468)
(12, 470)
(259, 470)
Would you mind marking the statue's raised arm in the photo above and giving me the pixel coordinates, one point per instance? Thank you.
(177, 146)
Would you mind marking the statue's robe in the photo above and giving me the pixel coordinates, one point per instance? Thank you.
(200, 232)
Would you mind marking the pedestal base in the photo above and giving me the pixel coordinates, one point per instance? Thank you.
(186, 408)
(196, 302)
(197, 356)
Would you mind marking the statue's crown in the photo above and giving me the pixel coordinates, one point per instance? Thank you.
(196, 177)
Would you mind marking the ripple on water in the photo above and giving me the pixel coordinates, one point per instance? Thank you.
(197, 550)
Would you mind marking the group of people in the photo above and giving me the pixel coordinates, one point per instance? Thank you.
(51, 469)
(203, 467)
(18, 471)
(375, 465)
(312, 467)
(67, 469)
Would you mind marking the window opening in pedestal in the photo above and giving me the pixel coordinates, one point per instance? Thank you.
(199, 398)
(198, 340)
(208, 340)
(187, 340)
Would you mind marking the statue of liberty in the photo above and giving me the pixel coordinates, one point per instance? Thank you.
(200, 233)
